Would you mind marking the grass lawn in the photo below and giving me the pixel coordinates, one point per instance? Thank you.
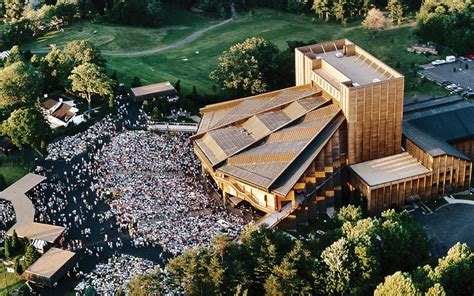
(119, 38)
(278, 27)
(12, 279)
(193, 62)
(12, 173)
(433, 204)
(464, 196)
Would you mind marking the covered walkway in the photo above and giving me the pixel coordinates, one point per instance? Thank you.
(24, 208)
(174, 127)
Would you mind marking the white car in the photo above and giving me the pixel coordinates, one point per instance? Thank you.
(438, 62)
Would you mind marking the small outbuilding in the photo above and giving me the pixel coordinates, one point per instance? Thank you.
(50, 268)
(158, 90)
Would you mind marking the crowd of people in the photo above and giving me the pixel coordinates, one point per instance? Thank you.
(116, 188)
(152, 182)
(7, 217)
(71, 146)
(114, 275)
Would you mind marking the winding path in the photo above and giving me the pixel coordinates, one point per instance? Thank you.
(158, 49)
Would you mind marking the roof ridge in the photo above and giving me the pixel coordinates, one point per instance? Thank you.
(219, 125)
(273, 131)
(309, 142)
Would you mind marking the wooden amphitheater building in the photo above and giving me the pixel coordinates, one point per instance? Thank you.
(341, 127)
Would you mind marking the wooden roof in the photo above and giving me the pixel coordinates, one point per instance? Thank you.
(40, 231)
(267, 161)
(48, 268)
(257, 139)
(153, 89)
(389, 169)
(243, 127)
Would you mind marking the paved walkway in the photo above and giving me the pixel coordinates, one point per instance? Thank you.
(155, 50)
(451, 200)
(24, 208)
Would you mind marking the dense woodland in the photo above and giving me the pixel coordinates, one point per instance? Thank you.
(387, 255)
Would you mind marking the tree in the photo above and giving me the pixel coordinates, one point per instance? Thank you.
(337, 263)
(349, 213)
(449, 23)
(26, 126)
(455, 271)
(191, 271)
(247, 68)
(88, 80)
(340, 10)
(31, 255)
(293, 275)
(20, 83)
(297, 6)
(397, 284)
(146, 284)
(137, 12)
(395, 10)
(13, 9)
(15, 56)
(7, 248)
(322, 8)
(404, 244)
(79, 52)
(58, 63)
(436, 290)
(375, 20)
(15, 242)
(18, 267)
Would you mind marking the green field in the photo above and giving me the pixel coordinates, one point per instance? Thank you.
(12, 172)
(11, 279)
(118, 38)
(193, 62)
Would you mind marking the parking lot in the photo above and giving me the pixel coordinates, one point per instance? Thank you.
(447, 226)
(459, 82)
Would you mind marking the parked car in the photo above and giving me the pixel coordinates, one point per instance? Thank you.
(438, 62)
(451, 86)
(468, 94)
(450, 59)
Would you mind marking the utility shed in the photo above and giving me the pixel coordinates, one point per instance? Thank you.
(50, 268)
(163, 89)
(387, 181)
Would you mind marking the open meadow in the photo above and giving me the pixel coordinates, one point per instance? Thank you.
(193, 61)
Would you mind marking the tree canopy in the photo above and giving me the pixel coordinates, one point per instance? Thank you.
(248, 68)
(26, 126)
(268, 262)
(375, 20)
(88, 80)
(448, 22)
(20, 83)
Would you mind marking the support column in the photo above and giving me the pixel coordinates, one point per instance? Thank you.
(224, 197)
